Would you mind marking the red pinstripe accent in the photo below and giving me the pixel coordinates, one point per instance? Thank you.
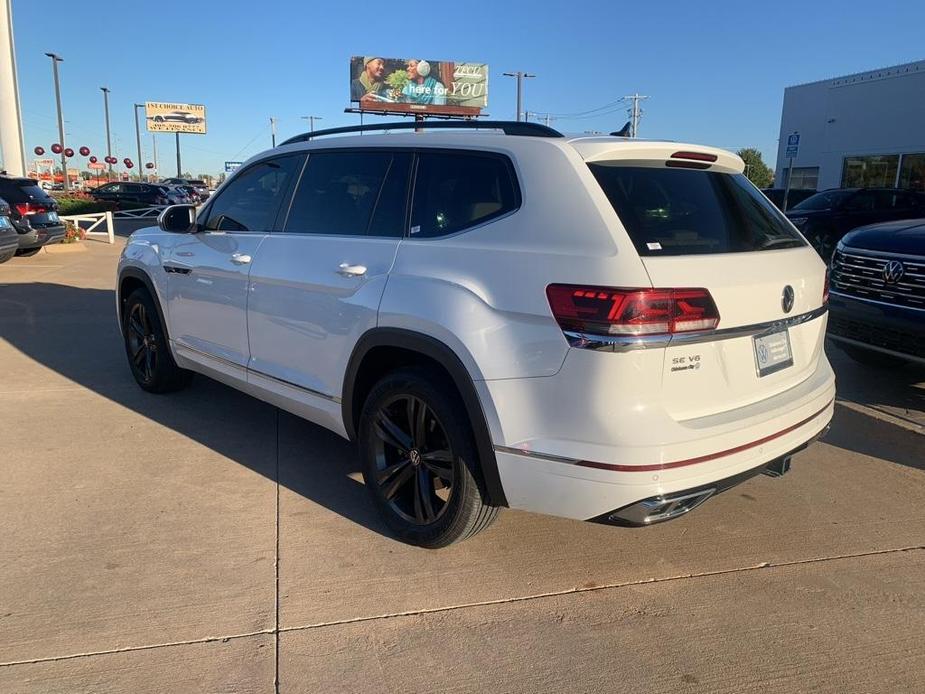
(702, 458)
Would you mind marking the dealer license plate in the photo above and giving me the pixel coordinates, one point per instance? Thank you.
(772, 352)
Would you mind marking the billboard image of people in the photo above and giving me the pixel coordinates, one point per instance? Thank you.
(417, 85)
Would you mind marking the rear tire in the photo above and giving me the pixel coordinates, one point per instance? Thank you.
(28, 252)
(147, 349)
(878, 360)
(7, 255)
(419, 459)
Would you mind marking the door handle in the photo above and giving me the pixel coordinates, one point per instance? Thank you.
(348, 270)
(240, 258)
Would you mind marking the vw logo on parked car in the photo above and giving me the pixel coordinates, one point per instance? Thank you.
(786, 299)
(893, 271)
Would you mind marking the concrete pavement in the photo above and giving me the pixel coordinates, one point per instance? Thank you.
(203, 541)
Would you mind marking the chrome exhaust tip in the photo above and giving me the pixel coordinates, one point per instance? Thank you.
(660, 508)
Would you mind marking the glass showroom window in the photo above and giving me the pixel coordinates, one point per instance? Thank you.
(803, 177)
(877, 171)
(912, 172)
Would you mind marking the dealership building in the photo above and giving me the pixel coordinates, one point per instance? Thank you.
(866, 129)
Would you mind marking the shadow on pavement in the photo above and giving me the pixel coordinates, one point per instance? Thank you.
(861, 433)
(74, 332)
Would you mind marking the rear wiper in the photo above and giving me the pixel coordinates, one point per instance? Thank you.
(771, 243)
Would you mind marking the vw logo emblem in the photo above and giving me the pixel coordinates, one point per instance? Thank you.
(893, 271)
(414, 455)
(786, 299)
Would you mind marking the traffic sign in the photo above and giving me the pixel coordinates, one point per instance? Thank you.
(793, 140)
(791, 152)
(232, 166)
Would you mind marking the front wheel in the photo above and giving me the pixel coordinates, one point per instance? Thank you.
(28, 252)
(146, 347)
(7, 255)
(419, 460)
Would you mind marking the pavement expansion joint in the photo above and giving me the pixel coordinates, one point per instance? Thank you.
(449, 608)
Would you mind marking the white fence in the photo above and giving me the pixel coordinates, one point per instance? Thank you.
(98, 219)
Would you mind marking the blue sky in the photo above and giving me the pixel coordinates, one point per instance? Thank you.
(715, 71)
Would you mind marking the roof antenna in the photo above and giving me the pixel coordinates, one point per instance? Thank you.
(624, 131)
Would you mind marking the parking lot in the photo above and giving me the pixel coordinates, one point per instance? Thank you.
(205, 541)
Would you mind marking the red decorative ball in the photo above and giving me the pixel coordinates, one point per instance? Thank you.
(39, 151)
(84, 151)
(128, 163)
(56, 148)
(69, 152)
(149, 165)
(92, 160)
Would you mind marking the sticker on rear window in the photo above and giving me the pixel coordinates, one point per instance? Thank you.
(654, 246)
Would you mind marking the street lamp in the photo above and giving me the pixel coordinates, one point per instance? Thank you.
(138, 141)
(520, 79)
(55, 59)
(105, 91)
(311, 121)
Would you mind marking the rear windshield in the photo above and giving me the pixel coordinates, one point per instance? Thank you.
(686, 212)
(823, 201)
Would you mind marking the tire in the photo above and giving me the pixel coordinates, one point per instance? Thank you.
(870, 357)
(147, 349)
(6, 256)
(28, 252)
(399, 464)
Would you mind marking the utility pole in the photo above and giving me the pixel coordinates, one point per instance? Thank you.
(105, 91)
(311, 121)
(273, 129)
(545, 117)
(11, 140)
(154, 147)
(635, 112)
(179, 168)
(55, 59)
(520, 75)
(138, 142)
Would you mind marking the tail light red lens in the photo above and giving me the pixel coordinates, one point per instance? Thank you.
(24, 208)
(609, 311)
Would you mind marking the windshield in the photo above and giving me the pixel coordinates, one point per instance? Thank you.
(823, 201)
(686, 212)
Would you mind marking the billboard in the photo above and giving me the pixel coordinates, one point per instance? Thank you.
(416, 85)
(231, 166)
(175, 118)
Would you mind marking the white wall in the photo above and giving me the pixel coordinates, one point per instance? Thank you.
(876, 112)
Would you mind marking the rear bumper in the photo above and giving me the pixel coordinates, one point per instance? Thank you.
(586, 481)
(43, 236)
(896, 330)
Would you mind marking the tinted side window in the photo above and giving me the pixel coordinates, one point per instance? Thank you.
(457, 190)
(861, 202)
(250, 202)
(339, 192)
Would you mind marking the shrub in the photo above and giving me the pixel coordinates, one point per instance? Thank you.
(78, 203)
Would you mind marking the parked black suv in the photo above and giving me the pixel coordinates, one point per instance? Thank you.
(9, 239)
(827, 216)
(34, 214)
(132, 194)
(877, 297)
(202, 190)
(794, 197)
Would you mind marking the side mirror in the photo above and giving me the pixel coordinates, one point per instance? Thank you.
(179, 219)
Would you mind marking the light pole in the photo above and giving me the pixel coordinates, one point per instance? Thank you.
(520, 75)
(311, 122)
(105, 91)
(273, 130)
(138, 141)
(11, 142)
(55, 59)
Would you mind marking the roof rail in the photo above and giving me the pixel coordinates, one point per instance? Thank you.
(508, 127)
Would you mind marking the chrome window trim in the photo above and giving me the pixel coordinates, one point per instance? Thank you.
(627, 343)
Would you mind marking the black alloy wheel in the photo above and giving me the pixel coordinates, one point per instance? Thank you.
(414, 459)
(142, 343)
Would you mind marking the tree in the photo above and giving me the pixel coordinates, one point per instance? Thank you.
(757, 171)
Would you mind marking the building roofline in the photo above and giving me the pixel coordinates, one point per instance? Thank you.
(918, 65)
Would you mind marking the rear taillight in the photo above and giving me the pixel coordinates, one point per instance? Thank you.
(609, 311)
(24, 208)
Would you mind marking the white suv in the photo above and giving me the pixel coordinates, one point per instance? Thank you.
(591, 327)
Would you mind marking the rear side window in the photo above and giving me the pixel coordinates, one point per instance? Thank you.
(351, 194)
(457, 190)
(251, 200)
(685, 212)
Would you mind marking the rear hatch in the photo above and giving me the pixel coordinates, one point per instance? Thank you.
(30, 204)
(697, 222)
